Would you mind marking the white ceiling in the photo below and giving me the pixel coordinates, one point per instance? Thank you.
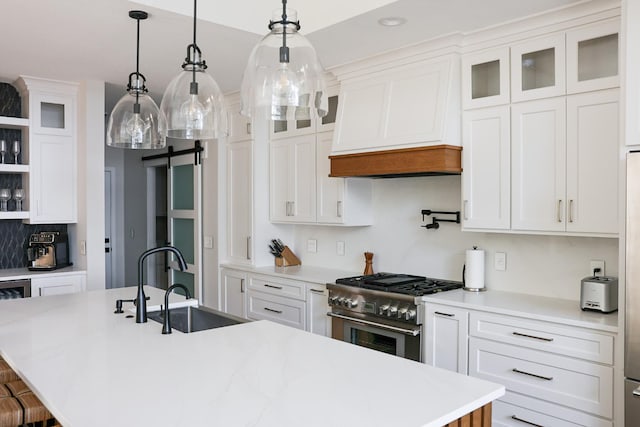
(95, 39)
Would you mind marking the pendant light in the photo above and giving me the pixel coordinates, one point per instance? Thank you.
(136, 121)
(193, 104)
(284, 79)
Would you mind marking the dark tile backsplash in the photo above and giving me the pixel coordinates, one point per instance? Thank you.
(14, 240)
(14, 235)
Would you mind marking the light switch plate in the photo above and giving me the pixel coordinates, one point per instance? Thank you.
(312, 245)
(208, 242)
(500, 261)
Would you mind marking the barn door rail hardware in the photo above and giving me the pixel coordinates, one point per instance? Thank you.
(196, 150)
(435, 222)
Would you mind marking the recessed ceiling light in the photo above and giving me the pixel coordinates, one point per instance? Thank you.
(392, 21)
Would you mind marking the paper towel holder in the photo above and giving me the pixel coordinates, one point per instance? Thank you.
(464, 287)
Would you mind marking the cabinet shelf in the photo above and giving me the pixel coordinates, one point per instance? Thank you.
(14, 215)
(9, 168)
(13, 122)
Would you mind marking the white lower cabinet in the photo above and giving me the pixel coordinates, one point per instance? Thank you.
(57, 285)
(445, 343)
(516, 410)
(295, 303)
(233, 291)
(317, 308)
(554, 374)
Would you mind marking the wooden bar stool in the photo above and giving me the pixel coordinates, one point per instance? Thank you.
(10, 412)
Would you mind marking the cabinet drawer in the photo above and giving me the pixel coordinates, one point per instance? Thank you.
(543, 336)
(286, 311)
(575, 383)
(277, 286)
(515, 410)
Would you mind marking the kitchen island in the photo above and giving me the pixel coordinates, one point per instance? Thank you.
(92, 367)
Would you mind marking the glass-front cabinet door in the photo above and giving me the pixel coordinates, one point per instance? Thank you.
(538, 68)
(185, 222)
(592, 57)
(485, 78)
(53, 114)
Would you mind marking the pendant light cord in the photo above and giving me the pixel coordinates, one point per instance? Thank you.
(284, 50)
(195, 46)
(137, 105)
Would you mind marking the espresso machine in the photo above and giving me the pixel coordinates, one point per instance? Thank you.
(48, 250)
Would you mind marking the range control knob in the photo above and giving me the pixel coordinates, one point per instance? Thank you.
(341, 301)
(333, 300)
(383, 309)
(402, 312)
(353, 303)
(410, 315)
(347, 302)
(393, 311)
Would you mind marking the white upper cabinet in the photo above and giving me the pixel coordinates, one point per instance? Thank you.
(485, 78)
(52, 141)
(592, 57)
(239, 201)
(538, 68)
(293, 179)
(538, 152)
(340, 201)
(486, 161)
(398, 108)
(592, 162)
(239, 125)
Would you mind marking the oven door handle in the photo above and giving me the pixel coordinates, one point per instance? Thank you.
(413, 332)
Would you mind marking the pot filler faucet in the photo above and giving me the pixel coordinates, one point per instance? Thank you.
(141, 299)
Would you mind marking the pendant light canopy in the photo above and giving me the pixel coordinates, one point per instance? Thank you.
(136, 121)
(193, 104)
(284, 79)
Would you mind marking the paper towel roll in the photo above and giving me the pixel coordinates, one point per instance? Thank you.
(474, 269)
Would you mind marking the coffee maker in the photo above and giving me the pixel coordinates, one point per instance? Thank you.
(48, 250)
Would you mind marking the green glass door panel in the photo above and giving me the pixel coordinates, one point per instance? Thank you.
(183, 238)
(182, 187)
(183, 278)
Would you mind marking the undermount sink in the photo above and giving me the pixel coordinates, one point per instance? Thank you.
(194, 319)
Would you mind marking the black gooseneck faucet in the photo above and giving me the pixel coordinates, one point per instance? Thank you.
(166, 326)
(141, 298)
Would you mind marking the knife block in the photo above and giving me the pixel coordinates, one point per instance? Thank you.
(287, 259)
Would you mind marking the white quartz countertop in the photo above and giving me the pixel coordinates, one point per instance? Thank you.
(530, 306)
(25, 273)
(92, 367)
(305, 273)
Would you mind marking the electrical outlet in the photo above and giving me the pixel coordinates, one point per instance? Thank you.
(83, 247)
(595, 264)
(208, 242)
(340, 247)
(312, 245)
(500, 261)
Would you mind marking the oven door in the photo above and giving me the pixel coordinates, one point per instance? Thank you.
(403, 342)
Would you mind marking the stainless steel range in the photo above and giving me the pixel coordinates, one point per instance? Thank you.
(378, 311)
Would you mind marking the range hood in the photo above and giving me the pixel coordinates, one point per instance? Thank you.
(419, 161)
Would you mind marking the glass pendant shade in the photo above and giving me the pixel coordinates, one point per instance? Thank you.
(194, 115)
(142, 130)
(136, 121)
(284, 90)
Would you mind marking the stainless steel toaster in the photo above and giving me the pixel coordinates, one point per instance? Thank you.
(599, 293)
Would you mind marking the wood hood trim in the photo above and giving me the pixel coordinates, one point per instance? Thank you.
(431, 160)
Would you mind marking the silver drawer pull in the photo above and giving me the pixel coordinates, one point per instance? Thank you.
(518, 334)
(272, 286)
(513, 417)
(439, 313)
(273, 311)
(636, 392)
(317, 291)
(518, 371)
